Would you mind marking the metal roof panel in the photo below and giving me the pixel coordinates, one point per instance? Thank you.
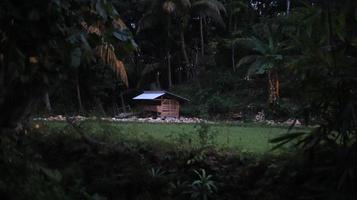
(149, 95)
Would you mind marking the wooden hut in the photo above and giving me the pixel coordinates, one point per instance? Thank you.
(163, 103)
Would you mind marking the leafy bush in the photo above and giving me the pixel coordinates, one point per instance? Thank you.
(217, 105)
(204, 187)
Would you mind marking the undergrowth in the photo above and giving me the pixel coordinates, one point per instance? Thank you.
(64, 164)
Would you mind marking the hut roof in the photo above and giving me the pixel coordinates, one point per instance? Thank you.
(152, 95)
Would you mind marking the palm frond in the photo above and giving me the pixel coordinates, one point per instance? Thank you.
(216, 17)
(208, 6)
(120, 71)
(219, 5)
(107, 53)
(252, 43)
(93, 29)
(259, 46)
(257, 67)
(119, 24)
(246, 60)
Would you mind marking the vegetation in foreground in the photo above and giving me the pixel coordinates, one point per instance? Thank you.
(71, 164)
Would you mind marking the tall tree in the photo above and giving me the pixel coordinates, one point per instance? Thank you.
(167, 11)
(177, 14)
(208, 9)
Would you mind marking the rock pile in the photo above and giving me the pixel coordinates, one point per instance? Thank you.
(188, 120)
(288, 122)
(161, 120)
(132, 118)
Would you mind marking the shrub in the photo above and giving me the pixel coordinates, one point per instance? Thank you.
(205, 134)
(217, 105)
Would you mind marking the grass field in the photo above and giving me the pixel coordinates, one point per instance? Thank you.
(250, 138)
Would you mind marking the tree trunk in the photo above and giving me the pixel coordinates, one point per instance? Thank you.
(169, 74)
(288, 3)
(2, 74)
(183, 47)
(123, 102)
(179, 73)
(115, 108)
(230, 18)
(273, 87)
(48, 103)
(79, 98)
(202, 39)
(168, 56)
(100, 106)
(196, 71)
(233, 59)
(158, 85)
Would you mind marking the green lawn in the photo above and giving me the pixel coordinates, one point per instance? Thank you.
(250, 138)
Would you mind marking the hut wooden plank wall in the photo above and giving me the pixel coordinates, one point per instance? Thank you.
(163, 103)
(170, 108)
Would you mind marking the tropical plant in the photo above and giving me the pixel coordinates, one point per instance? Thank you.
(204, 187)
(156, 172)
(324, 66)
(73, 29)
(266, 58)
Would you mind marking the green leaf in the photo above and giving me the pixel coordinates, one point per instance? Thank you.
(55, 175)
(284, 139)
(287, 137)
(135, 45)
(257, 66)
(246, 60)
(259, 46)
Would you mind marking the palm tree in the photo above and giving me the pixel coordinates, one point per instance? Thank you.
(266, 58)
(106, 50)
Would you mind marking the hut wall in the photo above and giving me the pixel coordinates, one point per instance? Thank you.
(151, 106)
(170, 108)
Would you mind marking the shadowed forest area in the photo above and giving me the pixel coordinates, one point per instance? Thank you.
(266, 94)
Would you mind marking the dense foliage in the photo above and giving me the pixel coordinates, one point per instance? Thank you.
(292, 59)
(44, 42)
